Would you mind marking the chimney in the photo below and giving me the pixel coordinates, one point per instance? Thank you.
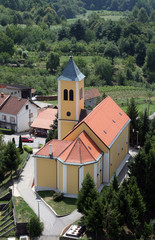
(50, 150)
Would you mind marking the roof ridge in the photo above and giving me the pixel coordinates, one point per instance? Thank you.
(74, 142)
(65, 148)
(87, 149)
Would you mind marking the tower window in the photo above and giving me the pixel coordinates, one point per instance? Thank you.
(65, 94)
(71, 95)
(68, 114)
(81, 93)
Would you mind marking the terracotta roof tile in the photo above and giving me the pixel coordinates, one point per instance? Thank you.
(45, 118)
(58, 147)
(81, 150)
(13, 105)
(106, 120)
(91, 93)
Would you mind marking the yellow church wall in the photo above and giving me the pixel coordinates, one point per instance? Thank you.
(83, 127)
(46, 172)
(72, 179)
(118, 151)
(71, 105)
(66, 127)
(89, 169)
(61, 176)
(81, 101)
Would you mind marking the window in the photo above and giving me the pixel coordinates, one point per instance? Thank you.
(127, 137)
(118, 148)
(12, 119)
(26, 107)
(111, 160)
(65, 94)
(68, 114)
(81, 93)
(71, 95)
(4, 117)
(122, 143)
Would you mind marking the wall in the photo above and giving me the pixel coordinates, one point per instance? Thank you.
(23, 117)
(119, 150)
(72, 179)
(46, 173)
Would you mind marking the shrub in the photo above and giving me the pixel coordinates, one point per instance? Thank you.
(58, 196)
(6, 131)
(28, 149)
(35, 227)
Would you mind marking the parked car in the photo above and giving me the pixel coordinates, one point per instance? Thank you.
(27, 139)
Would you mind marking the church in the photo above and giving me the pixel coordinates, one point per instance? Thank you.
(95, 142)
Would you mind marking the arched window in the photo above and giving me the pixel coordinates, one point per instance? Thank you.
(65, 94)
(81, 93)
(71, 95)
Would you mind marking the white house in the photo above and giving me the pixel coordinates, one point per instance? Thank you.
(17, 113)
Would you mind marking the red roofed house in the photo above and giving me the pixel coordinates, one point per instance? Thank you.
(44, 120)
(97, 144)
(16, 113)
(90, 97)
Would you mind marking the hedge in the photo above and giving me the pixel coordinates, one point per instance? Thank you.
(6, 131)
(28, 149)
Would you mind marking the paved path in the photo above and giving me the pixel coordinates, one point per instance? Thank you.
(53, 225)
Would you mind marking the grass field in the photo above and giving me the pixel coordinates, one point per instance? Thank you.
(63, 207)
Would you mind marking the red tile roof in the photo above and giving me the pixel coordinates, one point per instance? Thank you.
(57, 147)
(13, 105)
(91, 93)
(45, 118)
(106, 120)
(81, 150)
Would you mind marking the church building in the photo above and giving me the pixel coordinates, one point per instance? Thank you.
(95, 142)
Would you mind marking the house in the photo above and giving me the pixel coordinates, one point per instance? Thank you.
(98, 143)
(43, 121)
(90, 97)
(16, 90)
(17, 113)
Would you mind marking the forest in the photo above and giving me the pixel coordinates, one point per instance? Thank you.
(111, 48)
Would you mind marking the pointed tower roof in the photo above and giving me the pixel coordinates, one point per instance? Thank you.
(71, 72)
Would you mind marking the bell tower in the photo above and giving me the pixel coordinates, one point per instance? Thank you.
(70, 98)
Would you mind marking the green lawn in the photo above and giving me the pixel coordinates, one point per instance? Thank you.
(23, 211)
(63, 207)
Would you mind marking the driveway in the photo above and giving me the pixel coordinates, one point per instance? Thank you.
(53, 225)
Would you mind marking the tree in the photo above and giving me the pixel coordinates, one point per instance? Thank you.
(77, 30)
(104, 69)
(111, 51)
(144, 127)
(6, 44)
(53, 61)
(93, 220)
(142, 15)
(35, 227)
(132, 112)
(53, 132)
(140, 53)
(150, 57)
(11, 157)
(87, 195)
(20, 146)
